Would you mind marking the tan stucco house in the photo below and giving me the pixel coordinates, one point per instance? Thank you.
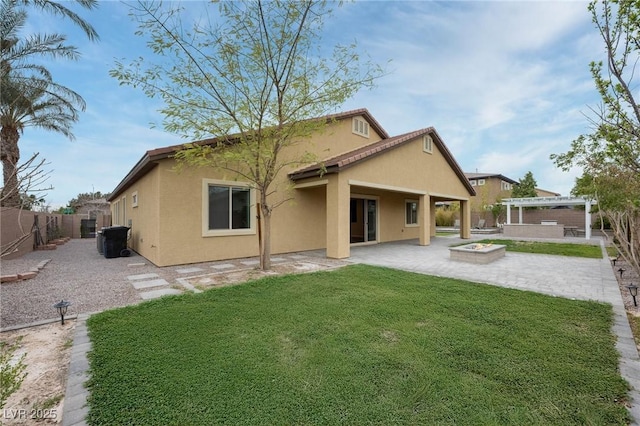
(489, 188)
(368, 188)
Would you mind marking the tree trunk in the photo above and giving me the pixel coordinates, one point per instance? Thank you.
(10, 155)
(265, 246)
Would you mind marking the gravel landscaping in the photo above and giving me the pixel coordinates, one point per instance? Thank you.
(76, 272)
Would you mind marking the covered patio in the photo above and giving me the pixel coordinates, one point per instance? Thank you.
(549, 202)
(360, 213)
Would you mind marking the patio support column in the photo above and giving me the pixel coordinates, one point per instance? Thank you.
(424, 219)
(587, 219)
(520, 215)
(433, 216)
(508, 213)
(338, 205)
(465, 219)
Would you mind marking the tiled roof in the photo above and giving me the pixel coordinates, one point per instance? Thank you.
(489, 175)
(342, 160)
(347, 159)
(151, 157)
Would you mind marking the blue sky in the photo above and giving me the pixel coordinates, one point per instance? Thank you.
(505, 84)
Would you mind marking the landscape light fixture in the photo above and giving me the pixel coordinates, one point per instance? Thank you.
(621, 270)
(633, 289)
(62, 306)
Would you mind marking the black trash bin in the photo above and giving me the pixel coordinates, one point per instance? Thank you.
(115, 241)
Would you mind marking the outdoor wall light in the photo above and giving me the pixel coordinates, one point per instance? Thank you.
(633, 289)
(62, 306)
(621, 270)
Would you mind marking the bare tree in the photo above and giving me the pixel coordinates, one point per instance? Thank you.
(260, 73)
(31, 178)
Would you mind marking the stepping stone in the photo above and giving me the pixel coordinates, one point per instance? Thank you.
(147, 284)
(223, 266)
(298, 256)
(189, 270)
(141, 277)
(136, 264)
(251, 262)
(159, 293)
(278, 259)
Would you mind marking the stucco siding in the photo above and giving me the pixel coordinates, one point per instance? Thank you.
(170, 223)
(300, 224)
(143, 218)
(337, 138)
(409, 167)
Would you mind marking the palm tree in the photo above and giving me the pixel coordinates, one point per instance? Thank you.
(39, 103)
(28, 94)
(56, 8)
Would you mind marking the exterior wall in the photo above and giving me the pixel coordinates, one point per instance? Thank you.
(568, 217)
(15, 223)
(545, 193)
(167, 224)
(70, 223)
(391, 213)
(429, 172)
(534, 231)
(301, 224)
(143, 219)
(337, 138)
(487, 194)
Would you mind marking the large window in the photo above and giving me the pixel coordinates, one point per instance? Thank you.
(411, 213)
(228, 208)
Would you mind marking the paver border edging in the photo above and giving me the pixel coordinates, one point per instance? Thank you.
(75, 408)
(20, 276)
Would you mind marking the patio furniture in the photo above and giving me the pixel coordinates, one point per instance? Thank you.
(571, 230)
(480, 224)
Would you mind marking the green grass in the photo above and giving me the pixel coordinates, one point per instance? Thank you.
(359, 345)
(561, 249)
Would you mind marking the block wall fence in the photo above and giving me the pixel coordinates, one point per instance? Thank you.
(39, 226)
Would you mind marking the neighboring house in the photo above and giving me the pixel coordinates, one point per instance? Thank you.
(368, 188)
(490, 187)
(544, 193)
(93, 208)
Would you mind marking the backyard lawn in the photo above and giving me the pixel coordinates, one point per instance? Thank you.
(561, 249)
(359, 345)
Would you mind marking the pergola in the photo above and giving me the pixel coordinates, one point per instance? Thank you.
(549, 202)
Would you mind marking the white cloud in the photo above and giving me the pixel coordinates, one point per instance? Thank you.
(504, 83)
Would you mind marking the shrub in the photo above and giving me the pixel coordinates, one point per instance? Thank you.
(446, 217)
(12, 372)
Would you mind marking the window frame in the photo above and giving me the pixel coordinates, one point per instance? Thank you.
(408, 202)
(134, 199)
(473, 182)
(481, 182)
(206, 232)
